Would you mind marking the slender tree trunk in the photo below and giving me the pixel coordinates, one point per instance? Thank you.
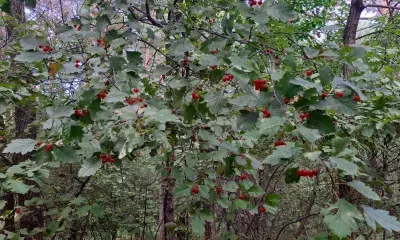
(166, 211)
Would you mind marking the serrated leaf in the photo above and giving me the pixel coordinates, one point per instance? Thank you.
(318, 120)
(89, 168)
(272, 199)
(310, 135)
(180, 46)
(242, 63)
(215, 101)
(22, 146)
(268, 123)
(30, 57)
(223, 202)
(97, 210)
(348, 167)
(313, 156)
(280, 11)
(364, 190)
(344, 105)
(117, 63)
(230, 186)
(84, 210)
(343, 222)
(65, 154)
(326, 75)
(282, 154)
(198, 226)
(17, 186)
(239, 204)
(102, 23)
(306, 84)
(246, 120)
(29, 43)
(373, 216)
(209, 60)
(291, 176)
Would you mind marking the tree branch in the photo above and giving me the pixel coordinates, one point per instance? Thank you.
(6, 158)
(369, 34)
(151, 19)
(295, 221)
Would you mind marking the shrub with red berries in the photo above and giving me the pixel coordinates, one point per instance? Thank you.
(304, 116)
(81, 113)
(46, 49)
(268, 51)
(307, 173)
(228, 77)
(106, 158)
(102, 94)
(218, 189)
(195, 189)
(253, 3)
(260, 84)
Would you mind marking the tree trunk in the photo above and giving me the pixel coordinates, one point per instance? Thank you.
(350, 32)
(166, 212)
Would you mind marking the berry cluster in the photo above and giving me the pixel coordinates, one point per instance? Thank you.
(244, 176)
(268, 51)
(81, 113)
(307, 173)
(46, 49)
(254, 3)
(49, 147)
(228, 77)
(309, 72)
(357, 98)
(195, 189)
(106, 158)
(186, 62)
(195, 95)
(102, 94)
(77, 63)
(242, 196)
(304, 116)
(287, 100)
(266, 113)
(260, 84)
(215, 51)
(279, 143)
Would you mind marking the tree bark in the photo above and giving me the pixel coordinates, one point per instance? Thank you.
(350, 32)
(166, 212)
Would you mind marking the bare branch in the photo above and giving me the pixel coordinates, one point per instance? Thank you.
(381, 6)
(151, 19)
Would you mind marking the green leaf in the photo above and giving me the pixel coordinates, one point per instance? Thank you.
(16, 186)
(29, 43)
(373, 216)
(102, 22)
(255, 191)
(65, 154)
(89, 168)
(280, 11)
(207, 215)
(230, 186)
(241, 62)
(215, 101)
(76, 132)
(180, 46)
(198, 225)
(182, 190)
(83, 211)
(117, 63)
(291, 176)
(223, 202)
(364, 190)
(285, 88)
(313, 156)
(306, 84)
(310, 135)
(282, 154)
(97, 210)
(343, 223)
(209, 60)
(22, 146)
(357, 52)
(318, 120)
(2, 204)
(239, 204)
(326, 75)
(348, 167)
(267, 124)
(136, 58)
(247, 120)
(30, 57)
(190, 173)
(344, 105)
(272, 199)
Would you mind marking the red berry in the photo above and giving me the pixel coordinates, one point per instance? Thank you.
(357, 98)
(259, 3)
(185, 62)
(104, 160)
(261, 209)
(309, 173)
(339, 94)
(318, 35)
(266, 113)
(107, 83)
(195, 96)
(324, 95)
(302, 116)
(85, 112)
(213, 67)
(135, 90)
(286, 101)
(244, 176)
(307, 115)
(309, 73)
(99, 41)
(194, 139)
(40, 46)
(301, 173)
(168, 169)
(195, 189)
(18, 210)
(215, 51)
(279, 143)
(315, 172)
(49, 147)
(140, 99)
(51, 49)
(77, 65)
(102, 156)
(77, 61)
(38, 144)
(243, 196)
(219, 189)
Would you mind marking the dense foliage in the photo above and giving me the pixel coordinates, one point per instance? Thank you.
(244, 120)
